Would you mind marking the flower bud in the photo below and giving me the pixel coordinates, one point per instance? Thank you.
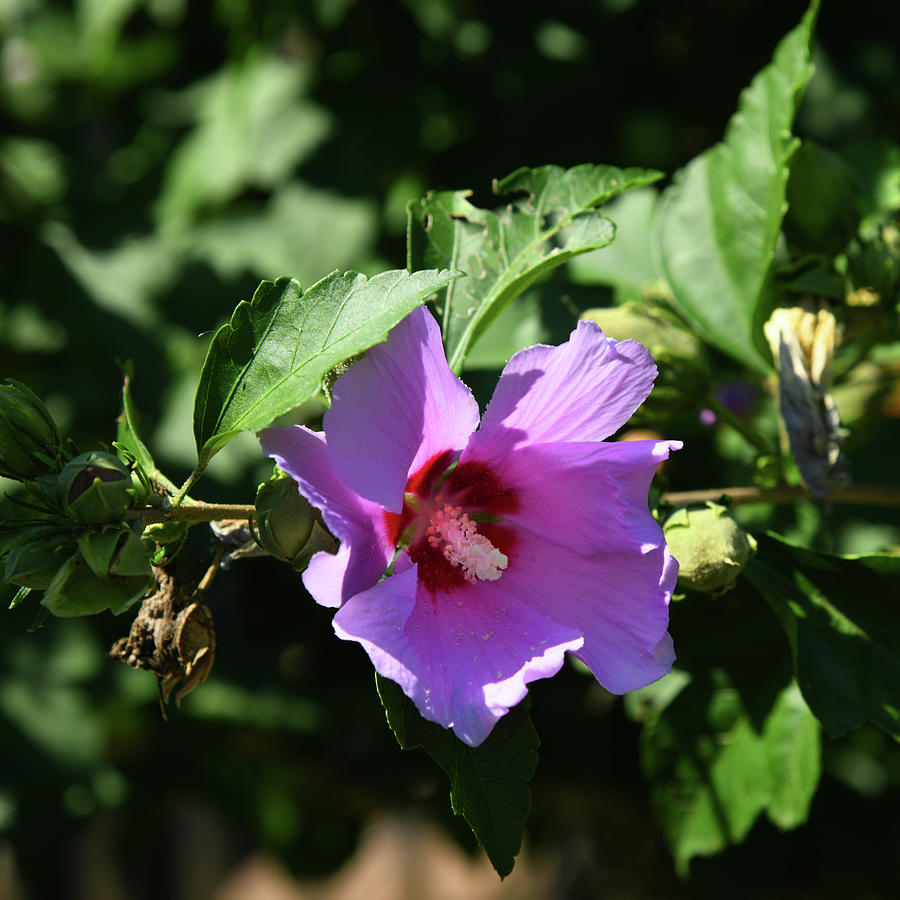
(711, 548)
(95, 488)
(169, 538)
(27, 433)
(284, 519)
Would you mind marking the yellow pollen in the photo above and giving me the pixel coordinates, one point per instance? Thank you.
(463, 546)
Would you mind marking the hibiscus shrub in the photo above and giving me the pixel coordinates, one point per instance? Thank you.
(473, 545)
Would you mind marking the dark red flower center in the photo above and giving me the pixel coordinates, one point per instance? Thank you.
(451, 523)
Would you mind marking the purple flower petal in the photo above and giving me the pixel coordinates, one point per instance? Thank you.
(618, 601)
(583, 390)
(358, 523)
(463, 658)
(395, 409)
(586, 496)
(579, 563)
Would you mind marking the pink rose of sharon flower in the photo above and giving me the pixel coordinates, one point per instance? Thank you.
(518, 540)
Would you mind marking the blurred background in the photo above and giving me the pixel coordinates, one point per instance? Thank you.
(157, 160)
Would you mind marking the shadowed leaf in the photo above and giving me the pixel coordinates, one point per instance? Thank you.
(488, 783)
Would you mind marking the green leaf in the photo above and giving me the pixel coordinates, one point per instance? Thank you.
(126, 427)
(626, 264)
(299, 229)
(875, 164)
(823, 201)
(717, 225)
(77, 591)
(550, 219)
(714, 770)
(116, 552)
(254, 123)
(34, 555)
(842, 618)
(488, 783)
(278, 347)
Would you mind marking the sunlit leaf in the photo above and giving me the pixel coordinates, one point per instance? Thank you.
(714, 770)
(717, 225)
(626, 264)
(549, 218)
(277, 348)
(254, 124)
(301, 230)
(126, 426)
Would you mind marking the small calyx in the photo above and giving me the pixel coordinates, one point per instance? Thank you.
(456, 535)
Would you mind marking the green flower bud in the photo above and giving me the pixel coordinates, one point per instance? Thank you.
(95, 488)
(77, 591)
(29, 439)
(284, 519)
(168, 538)
(33, 558)
(711, 548)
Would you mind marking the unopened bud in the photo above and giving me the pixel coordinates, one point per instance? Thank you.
(30, 442)
(95, 488)
(284, 519)
(711, 548)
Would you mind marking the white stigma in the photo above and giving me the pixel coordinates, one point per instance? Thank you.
(463, 546)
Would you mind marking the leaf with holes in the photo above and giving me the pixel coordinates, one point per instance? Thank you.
(550, 217)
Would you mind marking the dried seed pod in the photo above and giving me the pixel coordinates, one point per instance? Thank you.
(803, 341)
(173, 636)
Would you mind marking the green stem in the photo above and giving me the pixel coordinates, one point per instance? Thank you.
(198, 512)
(183, 490)
(863, 494)
(157, 477)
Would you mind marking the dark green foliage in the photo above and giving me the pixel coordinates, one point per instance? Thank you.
(842, 618)
(488, 783)
(157, 160)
